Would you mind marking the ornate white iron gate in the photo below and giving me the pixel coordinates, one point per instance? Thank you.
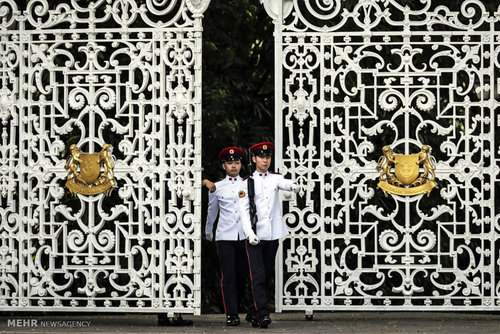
(90, 73)
(358, 75)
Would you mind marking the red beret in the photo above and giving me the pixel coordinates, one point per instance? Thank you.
(231, 154)
(262, 149)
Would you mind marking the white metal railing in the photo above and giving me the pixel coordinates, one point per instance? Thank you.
(122, 72)
(352, 76)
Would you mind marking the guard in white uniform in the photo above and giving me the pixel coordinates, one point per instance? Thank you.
(230, 240)
(263, 238)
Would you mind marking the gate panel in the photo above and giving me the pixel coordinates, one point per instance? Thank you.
(358, 75)
(121, 72)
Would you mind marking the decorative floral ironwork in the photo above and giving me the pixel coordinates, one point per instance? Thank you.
(121, 72)
(359, 75)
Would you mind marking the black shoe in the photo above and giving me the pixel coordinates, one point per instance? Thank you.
(232, 320)
(163, 320)
(252, 318)
(264, 321)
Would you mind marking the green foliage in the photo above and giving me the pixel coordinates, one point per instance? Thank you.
(238, 86)
(238, 103)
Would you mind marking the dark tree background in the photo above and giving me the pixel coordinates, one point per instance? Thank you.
(238, 86)
(238, 103)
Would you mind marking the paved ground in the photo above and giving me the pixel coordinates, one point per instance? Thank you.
(341, 322)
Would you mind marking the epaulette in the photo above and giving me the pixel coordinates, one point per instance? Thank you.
(274, 173)
(244, 178)
(219, 180)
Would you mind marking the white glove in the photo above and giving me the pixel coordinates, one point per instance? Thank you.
(209, 236)
(253, 240)
(295, 188)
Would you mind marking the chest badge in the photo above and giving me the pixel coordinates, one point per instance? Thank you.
(241, 194)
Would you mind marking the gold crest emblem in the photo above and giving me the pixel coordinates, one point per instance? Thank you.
(90, 180)
(264, 147)
(231, 151)
(406, 180)
(406, 168)
(241, 194)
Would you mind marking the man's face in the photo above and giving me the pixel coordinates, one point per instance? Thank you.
(261, 163)
(232, 168)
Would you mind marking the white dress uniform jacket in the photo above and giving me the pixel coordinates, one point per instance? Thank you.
(270, 224)
(225, 199)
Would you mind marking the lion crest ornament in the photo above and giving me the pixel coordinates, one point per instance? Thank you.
(407, 179)
(91, 179)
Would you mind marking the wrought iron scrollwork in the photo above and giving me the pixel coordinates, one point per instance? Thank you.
(88, 74)
(359, 75)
